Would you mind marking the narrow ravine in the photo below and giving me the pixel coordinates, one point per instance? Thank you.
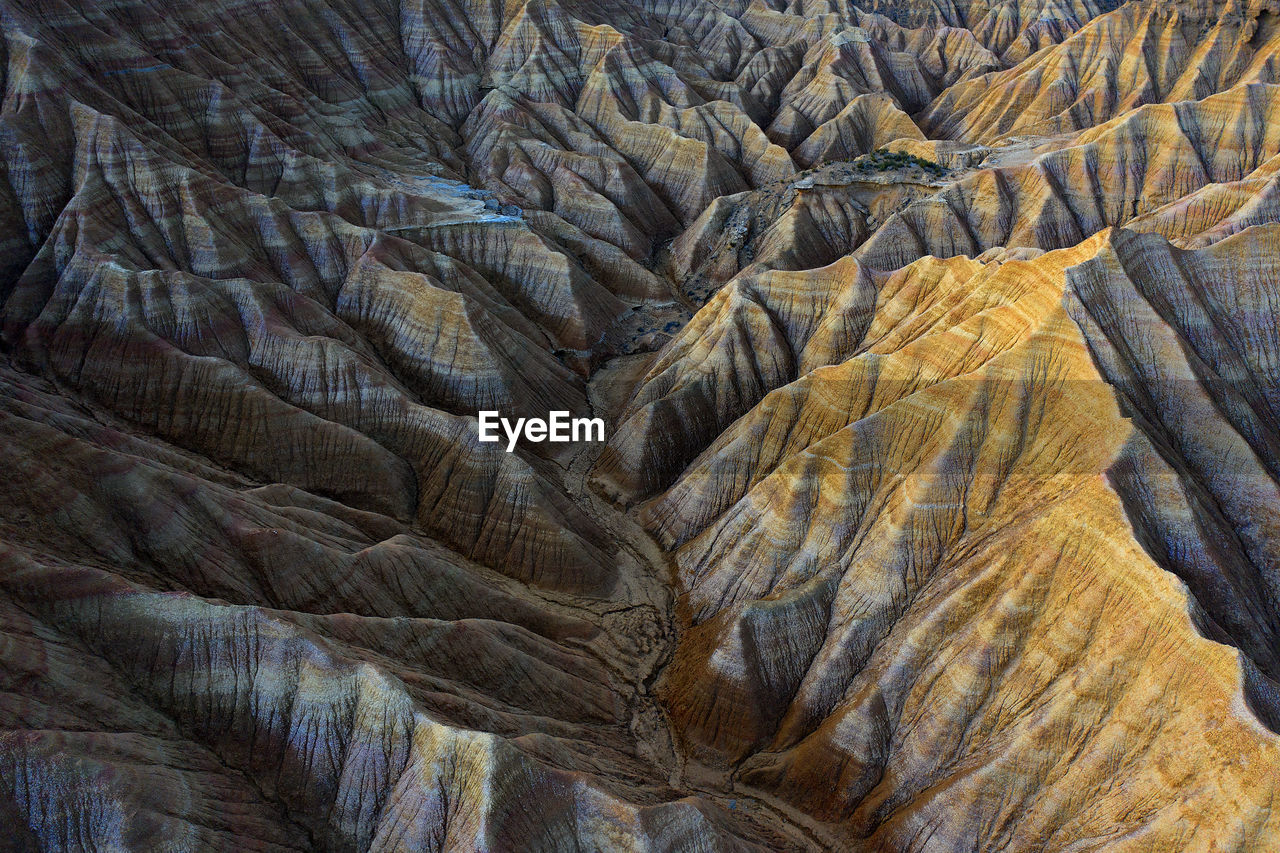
(643, 630)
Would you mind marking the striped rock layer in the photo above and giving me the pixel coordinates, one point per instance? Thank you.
(938, 348)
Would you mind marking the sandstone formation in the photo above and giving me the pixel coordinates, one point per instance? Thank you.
(937, 346)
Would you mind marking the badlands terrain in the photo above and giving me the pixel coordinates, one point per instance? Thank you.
(938, 343)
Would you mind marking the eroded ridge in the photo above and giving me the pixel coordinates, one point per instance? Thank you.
(936, 346)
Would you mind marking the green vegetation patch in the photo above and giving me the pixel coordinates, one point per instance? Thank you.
(882, 160)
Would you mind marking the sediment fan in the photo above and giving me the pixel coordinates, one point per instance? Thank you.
(939, 354)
